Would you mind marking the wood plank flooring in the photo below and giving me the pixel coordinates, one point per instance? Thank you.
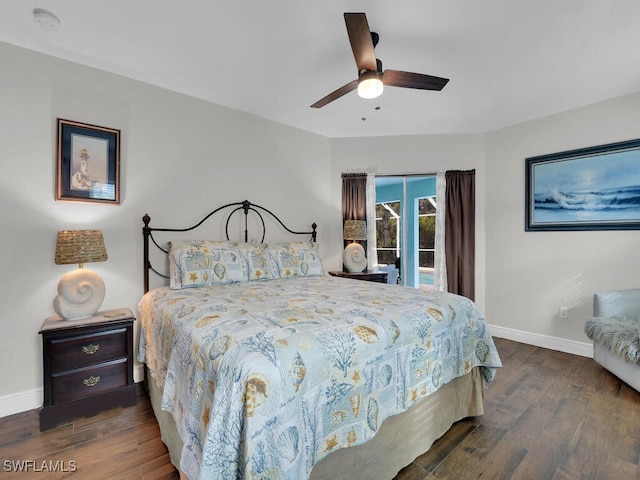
(548, 415)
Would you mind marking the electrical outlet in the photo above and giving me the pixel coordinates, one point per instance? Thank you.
(564, 312)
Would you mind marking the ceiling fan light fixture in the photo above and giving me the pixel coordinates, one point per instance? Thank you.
(370, 85)
(370, 73)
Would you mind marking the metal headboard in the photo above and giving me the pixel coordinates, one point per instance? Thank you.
(245, 206)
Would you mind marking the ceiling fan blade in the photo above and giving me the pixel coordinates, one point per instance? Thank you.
(361, 43)
(336, 94)
(398, 78)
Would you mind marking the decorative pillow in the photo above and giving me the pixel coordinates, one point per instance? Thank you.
(260, 265)
(296, 259)
(201, 263)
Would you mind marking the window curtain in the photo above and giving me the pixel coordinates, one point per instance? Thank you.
(372, 250)
(460, 216)
(354, 188)
(354, 200)
(440, 280)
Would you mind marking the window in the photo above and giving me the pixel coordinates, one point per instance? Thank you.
(426, 240)
(388, 232)
(410, 243)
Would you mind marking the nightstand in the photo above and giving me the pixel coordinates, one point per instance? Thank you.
(368, 276)
(88, 365)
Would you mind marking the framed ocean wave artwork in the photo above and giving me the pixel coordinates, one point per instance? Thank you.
(595, 188)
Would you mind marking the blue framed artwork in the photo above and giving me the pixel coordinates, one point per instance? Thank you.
(596, 188)
(88, 163)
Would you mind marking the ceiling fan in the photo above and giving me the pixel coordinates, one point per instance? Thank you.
(371, 78)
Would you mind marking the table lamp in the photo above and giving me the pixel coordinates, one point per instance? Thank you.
(81, 291)
(353, 257)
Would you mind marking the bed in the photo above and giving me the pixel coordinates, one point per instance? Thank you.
(259, 365)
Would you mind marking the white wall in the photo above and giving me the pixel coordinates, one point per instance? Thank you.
(531, 274)
(181, 157)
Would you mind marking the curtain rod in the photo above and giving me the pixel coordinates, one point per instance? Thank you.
(428, 174)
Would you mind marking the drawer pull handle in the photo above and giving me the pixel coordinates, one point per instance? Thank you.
(90, 349)
(91, 381)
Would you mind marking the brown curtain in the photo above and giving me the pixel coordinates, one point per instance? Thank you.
(354, 196)
(460, 231)
(354, 200)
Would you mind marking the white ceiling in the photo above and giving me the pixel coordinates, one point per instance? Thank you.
(508, 60)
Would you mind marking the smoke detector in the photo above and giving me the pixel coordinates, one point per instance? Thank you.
(46, 19)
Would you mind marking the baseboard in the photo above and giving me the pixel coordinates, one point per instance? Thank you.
(583, 349)
(20, 402)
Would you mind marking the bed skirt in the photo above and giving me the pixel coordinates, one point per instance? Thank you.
(400, 440)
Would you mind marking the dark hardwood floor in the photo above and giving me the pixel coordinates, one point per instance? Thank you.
(548, 415)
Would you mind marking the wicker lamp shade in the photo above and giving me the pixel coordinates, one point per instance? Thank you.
(355, 230)
(80, 246)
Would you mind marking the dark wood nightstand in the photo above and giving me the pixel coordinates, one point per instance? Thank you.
(380, 277)
(88, 365)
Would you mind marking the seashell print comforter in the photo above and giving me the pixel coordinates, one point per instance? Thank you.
(266, 378)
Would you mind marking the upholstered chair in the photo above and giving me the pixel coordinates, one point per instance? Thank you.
(615, 332)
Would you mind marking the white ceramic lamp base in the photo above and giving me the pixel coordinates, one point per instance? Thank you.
(80, 294)
(354, 258)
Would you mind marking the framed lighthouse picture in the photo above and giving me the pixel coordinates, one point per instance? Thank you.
(87, 163)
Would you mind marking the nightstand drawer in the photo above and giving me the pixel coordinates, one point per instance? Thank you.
(88, 381)
(73, 352)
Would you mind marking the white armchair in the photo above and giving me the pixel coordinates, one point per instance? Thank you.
(615, 332)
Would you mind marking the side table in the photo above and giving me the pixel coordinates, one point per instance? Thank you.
(87, 365)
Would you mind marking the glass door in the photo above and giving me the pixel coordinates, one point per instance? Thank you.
(405, 227)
